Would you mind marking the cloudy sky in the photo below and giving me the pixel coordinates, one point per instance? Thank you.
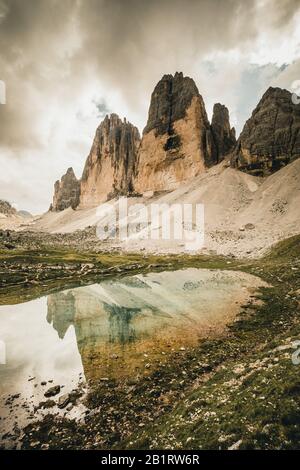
(66, 63)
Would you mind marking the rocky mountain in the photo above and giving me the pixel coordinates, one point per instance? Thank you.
(110, 165)
(178, 144)
(25, 214)
(178, 141)
(270, 138)
(6, 208)
(66, 192)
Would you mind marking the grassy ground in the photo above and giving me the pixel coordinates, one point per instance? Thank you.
(25, 275)
(238, 391)
(252, 396)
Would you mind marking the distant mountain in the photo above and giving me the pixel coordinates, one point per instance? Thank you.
(25, 214)
(6, 208)
(66, 192)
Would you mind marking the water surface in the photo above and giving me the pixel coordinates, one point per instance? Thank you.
(117, 329)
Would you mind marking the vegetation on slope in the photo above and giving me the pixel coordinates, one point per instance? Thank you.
(252, 397)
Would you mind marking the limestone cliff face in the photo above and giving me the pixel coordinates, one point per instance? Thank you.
(177, 141)
(110, 165)
(66, 192)
(223, 134)
(270, 138)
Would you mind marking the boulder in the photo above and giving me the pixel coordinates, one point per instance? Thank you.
(52, 391)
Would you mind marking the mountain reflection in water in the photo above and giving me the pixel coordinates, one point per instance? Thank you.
(124, 327)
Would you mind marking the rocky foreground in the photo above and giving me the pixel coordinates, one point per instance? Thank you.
(236, 391)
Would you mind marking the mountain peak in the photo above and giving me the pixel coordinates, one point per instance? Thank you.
(66, 192)
(170, 99)
(270, 139)
(110, 165)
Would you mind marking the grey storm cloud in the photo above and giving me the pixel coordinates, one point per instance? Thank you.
(102, 108)
(49, 47)
(132, 41)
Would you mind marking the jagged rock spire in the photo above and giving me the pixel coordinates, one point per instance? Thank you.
(270, 138)
(66, 192)
(110, 165)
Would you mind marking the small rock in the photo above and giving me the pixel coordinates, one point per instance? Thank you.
(52, 391)
(236, 445)
(35, 444)
(47, 404)
(63, 401)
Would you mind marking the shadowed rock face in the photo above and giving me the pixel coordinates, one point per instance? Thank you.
(109, 167)
(270, 138)
(170, 100)
(66, 192)
(223, 134)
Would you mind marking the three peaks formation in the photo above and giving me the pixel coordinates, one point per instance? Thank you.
(179, 143)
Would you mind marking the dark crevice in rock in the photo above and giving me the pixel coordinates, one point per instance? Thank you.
(222, 133)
